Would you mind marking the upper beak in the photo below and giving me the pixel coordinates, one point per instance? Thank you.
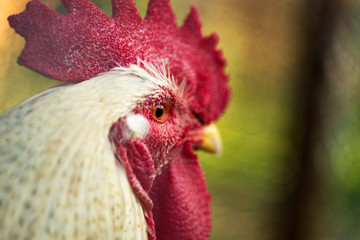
(208, 139)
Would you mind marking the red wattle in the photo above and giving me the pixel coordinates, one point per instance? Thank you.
(181, 199)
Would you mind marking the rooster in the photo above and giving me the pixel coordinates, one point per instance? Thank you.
(110, 153)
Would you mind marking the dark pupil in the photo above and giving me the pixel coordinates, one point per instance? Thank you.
(159, 112)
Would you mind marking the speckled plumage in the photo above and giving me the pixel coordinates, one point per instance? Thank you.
(59, 178)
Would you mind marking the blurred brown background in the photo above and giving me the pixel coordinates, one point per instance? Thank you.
(291, 162)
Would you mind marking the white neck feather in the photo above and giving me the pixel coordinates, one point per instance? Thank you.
(58, 173)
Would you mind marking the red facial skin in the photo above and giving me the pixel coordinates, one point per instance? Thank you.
(165, 173)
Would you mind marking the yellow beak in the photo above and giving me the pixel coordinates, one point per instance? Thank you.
(209, 139)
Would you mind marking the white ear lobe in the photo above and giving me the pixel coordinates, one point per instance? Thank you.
(137, 126)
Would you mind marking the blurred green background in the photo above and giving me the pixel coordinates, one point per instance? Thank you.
(251, 183)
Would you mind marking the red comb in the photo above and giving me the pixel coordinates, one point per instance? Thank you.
(85, 42)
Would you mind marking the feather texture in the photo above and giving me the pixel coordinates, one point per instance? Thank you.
(55, 182)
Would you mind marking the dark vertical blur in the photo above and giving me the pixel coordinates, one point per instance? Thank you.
(319, 20)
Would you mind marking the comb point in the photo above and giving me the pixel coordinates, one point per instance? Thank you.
(125, 12)
(160, 13)
(192, 24)
(211, 41)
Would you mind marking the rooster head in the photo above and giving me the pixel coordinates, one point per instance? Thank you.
(155, 144)
(186, 90)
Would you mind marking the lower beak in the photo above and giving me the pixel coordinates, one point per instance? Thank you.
(208, 139)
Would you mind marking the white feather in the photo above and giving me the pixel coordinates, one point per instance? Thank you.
(137, 126)
(59, 178)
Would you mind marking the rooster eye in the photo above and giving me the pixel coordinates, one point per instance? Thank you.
(160, 113)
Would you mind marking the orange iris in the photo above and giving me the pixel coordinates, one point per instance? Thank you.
(160, 113)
